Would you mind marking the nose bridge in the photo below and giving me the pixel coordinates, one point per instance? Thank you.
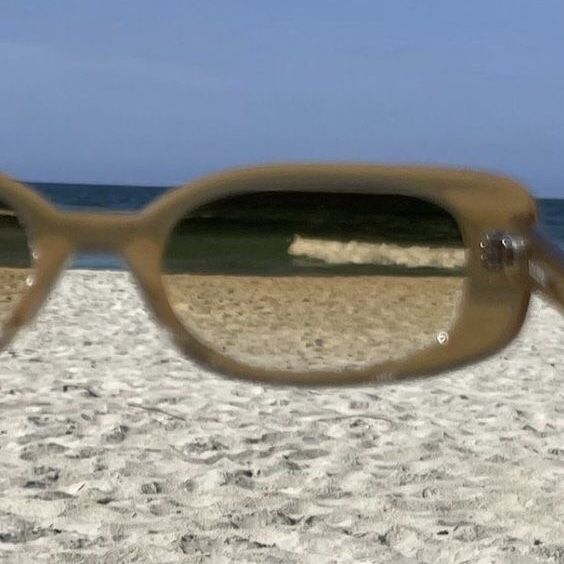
(100, 232)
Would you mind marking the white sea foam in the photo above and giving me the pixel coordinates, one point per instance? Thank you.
(356, 252)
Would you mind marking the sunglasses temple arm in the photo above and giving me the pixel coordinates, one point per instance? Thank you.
(546, 267)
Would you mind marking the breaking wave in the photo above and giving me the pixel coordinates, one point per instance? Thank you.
(356, 252)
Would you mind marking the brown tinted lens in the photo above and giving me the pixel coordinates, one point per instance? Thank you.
(312, 280)
(15, 261)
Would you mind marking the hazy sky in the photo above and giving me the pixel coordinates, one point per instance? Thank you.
(149, 92)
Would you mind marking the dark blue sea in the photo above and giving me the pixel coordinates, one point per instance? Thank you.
(131, 198)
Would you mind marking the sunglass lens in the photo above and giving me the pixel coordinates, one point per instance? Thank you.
(316, 280)
(15, 261)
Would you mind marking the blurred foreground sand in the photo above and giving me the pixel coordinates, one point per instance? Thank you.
(113, 448)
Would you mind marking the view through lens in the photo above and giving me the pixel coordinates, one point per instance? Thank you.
(316, 280)
(15, 261)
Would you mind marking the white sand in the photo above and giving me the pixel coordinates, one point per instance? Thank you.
(115, 449)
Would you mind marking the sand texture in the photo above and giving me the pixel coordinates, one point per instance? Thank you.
(12, 286)
(316, 322)
(113, 449)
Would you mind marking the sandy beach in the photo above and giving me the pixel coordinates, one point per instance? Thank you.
(13, 284)
(114, 448)
(316, 322)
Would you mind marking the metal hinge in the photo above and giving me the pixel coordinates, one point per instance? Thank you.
(501, 249)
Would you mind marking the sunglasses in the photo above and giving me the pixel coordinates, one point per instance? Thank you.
(307, 274)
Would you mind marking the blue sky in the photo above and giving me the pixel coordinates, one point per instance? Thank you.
(146, 92)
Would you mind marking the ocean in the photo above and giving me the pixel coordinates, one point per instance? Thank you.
(131, 198)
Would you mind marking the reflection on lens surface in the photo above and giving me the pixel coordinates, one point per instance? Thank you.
(310, 280)
(15, 261)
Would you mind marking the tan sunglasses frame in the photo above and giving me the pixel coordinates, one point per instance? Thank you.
(495, 297)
